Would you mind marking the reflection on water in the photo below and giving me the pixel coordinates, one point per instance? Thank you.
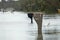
(17, 26)
(51, 27)
(50, 37)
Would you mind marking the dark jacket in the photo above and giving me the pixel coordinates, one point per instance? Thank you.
(30, 15)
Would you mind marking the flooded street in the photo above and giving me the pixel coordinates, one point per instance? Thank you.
(17, 26)
(51, 27)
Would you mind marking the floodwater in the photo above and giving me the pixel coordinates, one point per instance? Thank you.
(16, 26)
(51, 27)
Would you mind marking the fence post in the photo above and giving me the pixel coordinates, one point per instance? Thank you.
(38, 19)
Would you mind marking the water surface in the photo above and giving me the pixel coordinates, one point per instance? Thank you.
(51, 27)
(17, 26)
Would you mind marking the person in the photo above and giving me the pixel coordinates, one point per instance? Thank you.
(30, 15)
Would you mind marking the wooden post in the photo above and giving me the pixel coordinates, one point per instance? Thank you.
(38, 19)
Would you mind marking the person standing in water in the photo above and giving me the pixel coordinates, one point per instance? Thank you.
(30, 15)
